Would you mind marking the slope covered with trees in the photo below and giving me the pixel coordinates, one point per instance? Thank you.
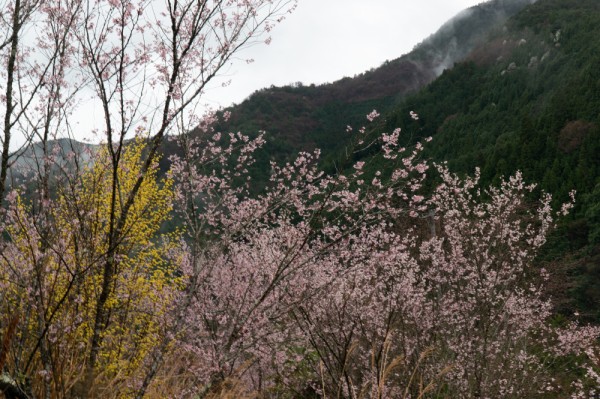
(303, 117)
(528, 100)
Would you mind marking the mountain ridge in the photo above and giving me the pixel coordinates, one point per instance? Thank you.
(299, 117)
(529, 99)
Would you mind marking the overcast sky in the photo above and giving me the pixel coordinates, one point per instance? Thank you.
(326, 40)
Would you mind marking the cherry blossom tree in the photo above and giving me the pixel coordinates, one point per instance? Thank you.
(356, 287)
(37, 50)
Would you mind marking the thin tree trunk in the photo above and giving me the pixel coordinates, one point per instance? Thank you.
(10, 71)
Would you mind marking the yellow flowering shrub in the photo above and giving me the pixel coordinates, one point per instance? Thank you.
(59, 262)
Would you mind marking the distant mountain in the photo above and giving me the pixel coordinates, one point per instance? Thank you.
(302, 117)
(28, 160)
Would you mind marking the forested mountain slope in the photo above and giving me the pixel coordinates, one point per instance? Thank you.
(529, 99)
(301, 117)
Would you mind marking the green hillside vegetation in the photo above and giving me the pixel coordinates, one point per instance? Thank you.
(303, 117)
(529, 100)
